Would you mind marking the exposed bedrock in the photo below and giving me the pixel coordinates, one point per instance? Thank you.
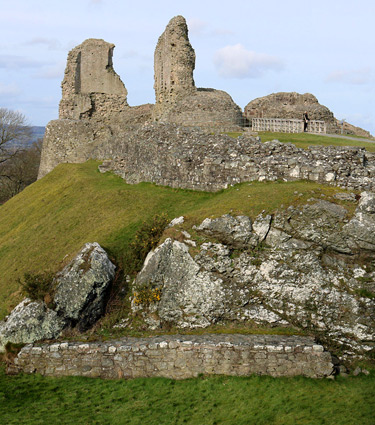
(312, 267)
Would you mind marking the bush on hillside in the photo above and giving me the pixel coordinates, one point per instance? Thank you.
(38, 286)
(146, 239)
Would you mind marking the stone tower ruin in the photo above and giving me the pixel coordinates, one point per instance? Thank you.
(174, 63)
(91, 88)
(178, 100)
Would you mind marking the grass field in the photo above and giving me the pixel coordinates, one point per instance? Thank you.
(33, 399)
(44, 226)
(304, 140)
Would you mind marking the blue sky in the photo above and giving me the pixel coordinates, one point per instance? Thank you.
(249, 49)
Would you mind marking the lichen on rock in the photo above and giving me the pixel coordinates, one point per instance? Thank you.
(303, 270)
(80, 298)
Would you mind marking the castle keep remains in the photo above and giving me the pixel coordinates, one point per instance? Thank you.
(169, 143)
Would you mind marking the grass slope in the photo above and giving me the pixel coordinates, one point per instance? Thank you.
(260, 400)
(304, 140)
(45, 225)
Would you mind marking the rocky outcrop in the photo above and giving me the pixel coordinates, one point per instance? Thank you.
(347, 128)
(311, 267)
(177, 99)
(79, 300)
(82, 286)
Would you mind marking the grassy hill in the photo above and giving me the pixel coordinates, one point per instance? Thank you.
(44, 226)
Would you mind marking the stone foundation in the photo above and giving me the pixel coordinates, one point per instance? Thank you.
(178, 357)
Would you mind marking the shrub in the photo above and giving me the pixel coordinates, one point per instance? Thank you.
(38, 286)
(146, 239)
(147, 296)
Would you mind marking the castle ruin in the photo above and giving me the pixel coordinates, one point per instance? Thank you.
(169, 143)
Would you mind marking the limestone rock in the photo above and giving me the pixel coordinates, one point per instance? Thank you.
(29, 322)
(82, 285)
(361, 228)
(306, 274)
(233, 231)
(190, 297)
(79, 298)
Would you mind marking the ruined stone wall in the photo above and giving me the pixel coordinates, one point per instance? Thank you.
(178, 101)
(290, 105)
(174, 63)
(179, 357)
(91, 87)
(187, 158)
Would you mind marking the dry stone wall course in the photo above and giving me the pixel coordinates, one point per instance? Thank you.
(178, 357)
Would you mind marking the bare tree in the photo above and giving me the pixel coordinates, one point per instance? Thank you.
(14, 133)
(18, 162)
(20, 171)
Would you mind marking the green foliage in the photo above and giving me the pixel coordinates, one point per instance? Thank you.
(363, 292)
(261, 400)
(145, 239)
(38, 286)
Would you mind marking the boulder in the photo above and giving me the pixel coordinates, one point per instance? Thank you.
(30, 321)
(233, 231)
(80, 297)
(82, 285)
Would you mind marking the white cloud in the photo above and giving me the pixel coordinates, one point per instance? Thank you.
(199, 28)
(52, 72)
(355, 76)
(238, 62)
(18, 62)
(9, 90)
(50, 43)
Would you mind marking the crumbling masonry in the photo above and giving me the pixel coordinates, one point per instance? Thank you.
(168, 143)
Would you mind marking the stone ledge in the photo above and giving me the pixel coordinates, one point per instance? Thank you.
(179, 357)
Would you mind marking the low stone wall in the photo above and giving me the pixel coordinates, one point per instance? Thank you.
(178, 357)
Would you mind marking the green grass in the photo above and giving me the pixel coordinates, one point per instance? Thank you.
(304, 140)
(44, 226)
(33, 399)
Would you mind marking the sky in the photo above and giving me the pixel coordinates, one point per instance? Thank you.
(247, 48)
